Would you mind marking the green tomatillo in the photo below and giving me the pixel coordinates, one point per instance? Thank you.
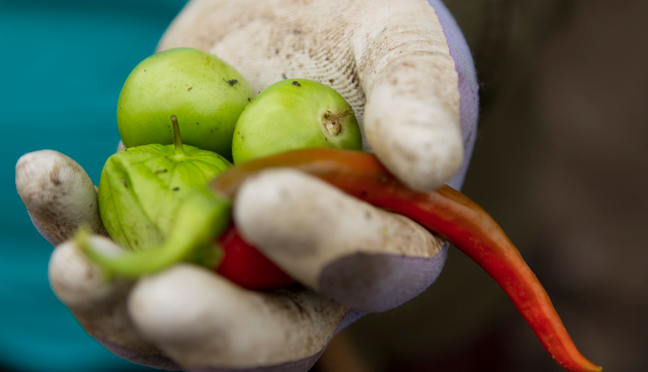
(293, 114)
(203, 91)
(142, 187)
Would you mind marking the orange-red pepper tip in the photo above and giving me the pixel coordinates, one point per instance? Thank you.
(579, 364)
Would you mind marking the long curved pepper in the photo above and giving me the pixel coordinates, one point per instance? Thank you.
(446, 212)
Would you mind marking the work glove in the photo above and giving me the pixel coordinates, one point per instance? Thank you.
(407, 72)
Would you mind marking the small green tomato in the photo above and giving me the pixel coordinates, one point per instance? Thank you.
(142, 187)
(293, 114)
(203, 91)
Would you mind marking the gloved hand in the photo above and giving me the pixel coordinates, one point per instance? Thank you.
(408, 74)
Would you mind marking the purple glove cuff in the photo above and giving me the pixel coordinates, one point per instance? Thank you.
(386, 282)
(468, 85)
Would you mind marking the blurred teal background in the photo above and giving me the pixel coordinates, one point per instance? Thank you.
(62, 65)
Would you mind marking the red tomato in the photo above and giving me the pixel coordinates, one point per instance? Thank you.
(246, 266)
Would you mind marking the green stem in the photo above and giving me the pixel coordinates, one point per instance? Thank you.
(202, 217)
(177, 139)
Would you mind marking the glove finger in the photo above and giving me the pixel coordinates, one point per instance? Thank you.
(416, 99)
(467, 85)
(98, 303)
(207, 323)
(359, 255)
(58, 195)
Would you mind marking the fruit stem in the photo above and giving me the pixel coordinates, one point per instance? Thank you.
(177, 140)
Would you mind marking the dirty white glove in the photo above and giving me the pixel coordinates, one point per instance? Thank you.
(407, 72)
(403, 66)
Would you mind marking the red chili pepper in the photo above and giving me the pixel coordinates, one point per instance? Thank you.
(244, 265)
(446, 212)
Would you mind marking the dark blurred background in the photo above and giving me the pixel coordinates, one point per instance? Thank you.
(561, 161)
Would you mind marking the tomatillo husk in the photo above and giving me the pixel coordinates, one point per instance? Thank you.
(142, 187)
